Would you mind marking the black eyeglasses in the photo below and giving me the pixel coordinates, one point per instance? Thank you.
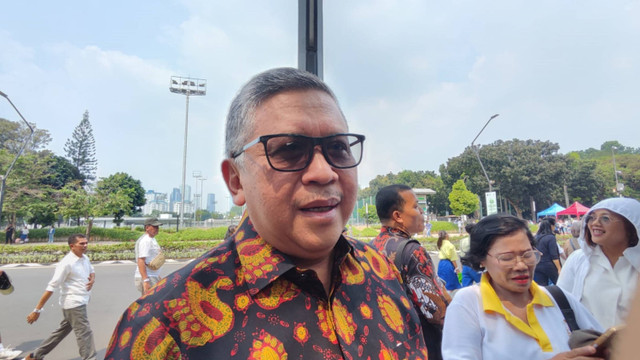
(292, 152)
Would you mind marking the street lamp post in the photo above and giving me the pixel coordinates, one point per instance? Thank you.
(619, 187)
(3, 178)
(189, 87)
(196, 175)
(202, 180)
(478, 154)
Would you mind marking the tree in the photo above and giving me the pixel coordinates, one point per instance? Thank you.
(461, 200)
(524, 171)
(122, 194)
(81, 148)
(12, 135)
(415, 179)
(61, 172)
(369, 214)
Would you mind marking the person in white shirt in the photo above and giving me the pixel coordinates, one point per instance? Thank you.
(74, 277)
(603, 273)
(507, 315)
(147, 249)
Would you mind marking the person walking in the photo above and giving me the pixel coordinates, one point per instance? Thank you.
(448, 267)
(52, 231)
(147, 249)
(549, 267)
(24, 235)
(74, 277)
(8, 234)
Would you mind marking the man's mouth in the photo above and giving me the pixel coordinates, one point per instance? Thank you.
(319, 208)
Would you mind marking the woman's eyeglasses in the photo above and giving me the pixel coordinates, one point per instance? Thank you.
(529, 257)
(292, 152)
(603, 219)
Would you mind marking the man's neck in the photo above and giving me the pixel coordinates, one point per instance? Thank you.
(323, 268)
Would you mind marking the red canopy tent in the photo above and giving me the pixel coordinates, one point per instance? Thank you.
(576, 209)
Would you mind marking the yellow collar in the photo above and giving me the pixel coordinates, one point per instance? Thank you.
(491, 303)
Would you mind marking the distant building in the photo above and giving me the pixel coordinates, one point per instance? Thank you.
(187, 194)
(211, 203)
(155, 201)
(175, 197)
(188, 208)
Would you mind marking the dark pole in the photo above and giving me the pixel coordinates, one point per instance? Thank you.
(24, 145)
(310, 36)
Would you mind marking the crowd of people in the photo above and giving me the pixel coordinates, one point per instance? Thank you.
(288, 282)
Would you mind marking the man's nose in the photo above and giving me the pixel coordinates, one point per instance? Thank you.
(319, 170)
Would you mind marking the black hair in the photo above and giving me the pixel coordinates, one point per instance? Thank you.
(388, 200)
(545, 227)
(485, 233)
(441, 236)
(75, 238)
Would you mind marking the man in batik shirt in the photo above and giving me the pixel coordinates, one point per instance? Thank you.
(401, 217)
(287, 284)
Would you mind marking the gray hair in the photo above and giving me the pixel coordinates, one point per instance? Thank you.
(575, 228)
(240, 120)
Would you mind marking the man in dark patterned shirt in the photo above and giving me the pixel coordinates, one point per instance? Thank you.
(286, 284)
(401, 217)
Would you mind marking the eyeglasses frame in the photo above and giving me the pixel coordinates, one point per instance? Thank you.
(316, 141)
(535, 251)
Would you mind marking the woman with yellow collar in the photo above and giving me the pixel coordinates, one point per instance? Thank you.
(507, 315)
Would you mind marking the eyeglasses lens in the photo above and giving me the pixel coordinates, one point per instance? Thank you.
(604, 219)
(529, 258)
(293, 153)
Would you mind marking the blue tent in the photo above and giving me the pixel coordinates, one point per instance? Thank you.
(551, 211)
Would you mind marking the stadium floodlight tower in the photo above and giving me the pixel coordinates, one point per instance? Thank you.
(189, 87)
(3, 178)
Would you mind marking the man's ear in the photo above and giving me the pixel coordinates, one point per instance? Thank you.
(395, 216)
(231, 175)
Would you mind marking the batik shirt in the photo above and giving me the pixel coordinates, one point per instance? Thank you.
(420, 279)
(246, 300)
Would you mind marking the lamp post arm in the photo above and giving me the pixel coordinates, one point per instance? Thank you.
(24, 146)
(482, 167)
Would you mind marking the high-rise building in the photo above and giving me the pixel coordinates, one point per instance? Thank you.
(155, 201)
(187, 194)
(211, 203)
(175, 197)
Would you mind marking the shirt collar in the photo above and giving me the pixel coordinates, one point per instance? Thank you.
(394, 231)
(261, 263)
(491, 301)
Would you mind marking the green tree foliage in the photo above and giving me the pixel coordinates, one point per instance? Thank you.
(122, 194)
(60, 173)
(13, 134)
(523, 170)
(26, 194)
(369, 214)
(202, 215)
(461, 200)
(81, 148)
(438, 203)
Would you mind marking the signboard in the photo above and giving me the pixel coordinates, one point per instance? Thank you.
(492, 204)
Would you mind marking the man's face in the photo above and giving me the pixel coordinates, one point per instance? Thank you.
(300, 213)
(151, 230)
(80, 246)
(411, 213)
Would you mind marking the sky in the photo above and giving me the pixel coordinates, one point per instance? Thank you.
(419, 78)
